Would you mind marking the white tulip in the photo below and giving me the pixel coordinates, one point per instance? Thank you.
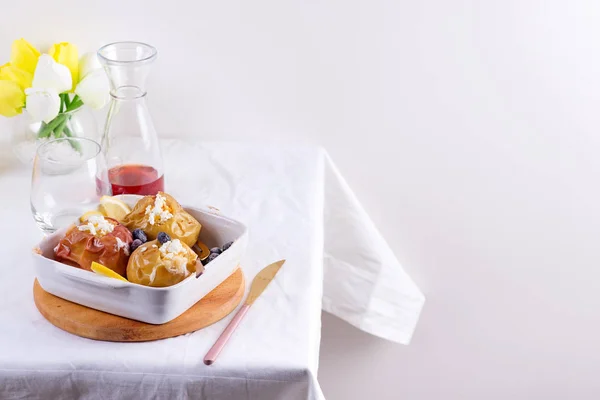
(51, 75)
(42, 104)
(94, 89)
(88, 63)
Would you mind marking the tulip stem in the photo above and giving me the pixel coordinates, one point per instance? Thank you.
(58, 126)
(75, 144)
(68, 132)
(58, 131)
(64, 102)
(47, 129)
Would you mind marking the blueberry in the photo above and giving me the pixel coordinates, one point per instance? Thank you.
(215, 250)
(212, 257)
(139, 234)
(134, 245)
(227, 245)
(163, 237)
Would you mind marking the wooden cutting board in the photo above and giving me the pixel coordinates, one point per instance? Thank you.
(93, 324)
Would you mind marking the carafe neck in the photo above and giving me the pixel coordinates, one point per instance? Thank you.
(128, 94)
(127, 65)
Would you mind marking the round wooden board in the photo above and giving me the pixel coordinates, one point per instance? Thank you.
(93, 324)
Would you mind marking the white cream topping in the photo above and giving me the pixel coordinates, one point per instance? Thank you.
(176, 254)
(97, 226)
(122, 245)
(160, 212)
(172, 248)
(174, 251)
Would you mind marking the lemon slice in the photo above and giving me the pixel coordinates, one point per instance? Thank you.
(113, 208)
(88, 214)
(102, 270)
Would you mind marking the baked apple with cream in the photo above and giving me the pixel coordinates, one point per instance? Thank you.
(162, 213)
(100, 239)
(160, 263)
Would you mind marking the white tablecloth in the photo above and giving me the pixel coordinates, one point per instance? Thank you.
(298, 207)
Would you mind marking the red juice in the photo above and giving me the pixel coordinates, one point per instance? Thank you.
(135, 179)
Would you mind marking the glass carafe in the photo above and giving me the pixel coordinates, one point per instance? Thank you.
(130, 142)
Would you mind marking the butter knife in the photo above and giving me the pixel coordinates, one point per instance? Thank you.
(260, 282)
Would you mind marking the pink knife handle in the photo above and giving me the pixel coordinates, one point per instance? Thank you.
(214, 351)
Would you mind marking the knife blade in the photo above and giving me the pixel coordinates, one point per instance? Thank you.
(259, 284)
(262, 280)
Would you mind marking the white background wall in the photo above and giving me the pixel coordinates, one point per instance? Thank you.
(470, 131)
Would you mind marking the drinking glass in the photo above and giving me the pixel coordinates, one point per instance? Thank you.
(69, 177)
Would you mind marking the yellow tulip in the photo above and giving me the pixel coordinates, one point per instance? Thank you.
(12, 98)
(66, 54)
(11, 73)
(23, 55)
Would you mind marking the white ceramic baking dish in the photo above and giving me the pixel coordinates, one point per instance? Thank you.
(143, 303)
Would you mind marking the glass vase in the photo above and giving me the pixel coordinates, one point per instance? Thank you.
(27, 136)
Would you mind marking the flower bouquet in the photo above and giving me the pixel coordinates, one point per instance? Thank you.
(51, 88)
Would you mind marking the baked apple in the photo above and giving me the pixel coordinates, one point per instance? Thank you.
(162, 213)
(99, 239)
(161, 264)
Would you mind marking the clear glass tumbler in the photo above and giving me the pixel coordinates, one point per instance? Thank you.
(69, 177)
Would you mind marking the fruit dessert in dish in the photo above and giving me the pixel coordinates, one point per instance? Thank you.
(155, 252)
(162, 213)
(98, 239)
